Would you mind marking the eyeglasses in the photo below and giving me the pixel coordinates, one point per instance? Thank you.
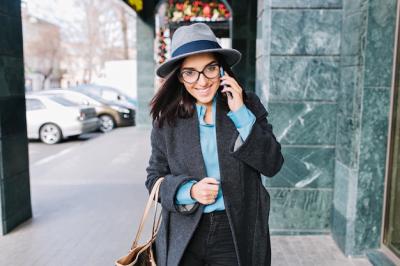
(191, 75)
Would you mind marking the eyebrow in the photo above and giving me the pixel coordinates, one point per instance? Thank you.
(192, 68)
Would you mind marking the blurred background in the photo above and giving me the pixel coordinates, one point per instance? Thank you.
(76, 78)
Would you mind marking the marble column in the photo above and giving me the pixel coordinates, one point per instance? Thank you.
(368, 30)
(145, 62)
(298, 48)
(15, 201)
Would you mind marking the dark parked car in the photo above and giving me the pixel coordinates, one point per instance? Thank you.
(110, 114)
(108, 94)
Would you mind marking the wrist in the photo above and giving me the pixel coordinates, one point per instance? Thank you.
(237, 108)
(192, 192)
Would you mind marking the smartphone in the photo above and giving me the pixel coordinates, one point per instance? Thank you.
(222, 73)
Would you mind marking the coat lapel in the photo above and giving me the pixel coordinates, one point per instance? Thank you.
(226, 136)
(190, 140)
(189, 128)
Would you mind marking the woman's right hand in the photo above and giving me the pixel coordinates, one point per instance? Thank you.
(205, 191)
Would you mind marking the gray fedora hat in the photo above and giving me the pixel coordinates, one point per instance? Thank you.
(195, 39)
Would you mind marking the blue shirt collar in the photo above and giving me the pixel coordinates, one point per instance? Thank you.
(201, 111)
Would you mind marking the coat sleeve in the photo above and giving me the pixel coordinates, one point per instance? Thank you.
(260, 150)
(158, 167)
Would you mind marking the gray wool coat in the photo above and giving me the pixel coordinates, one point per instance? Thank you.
(176, 154)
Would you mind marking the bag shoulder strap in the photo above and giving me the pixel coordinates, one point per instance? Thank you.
(152, 197)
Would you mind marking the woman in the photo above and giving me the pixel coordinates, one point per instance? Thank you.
(211, 141)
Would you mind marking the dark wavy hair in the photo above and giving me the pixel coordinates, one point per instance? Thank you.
(172, 100)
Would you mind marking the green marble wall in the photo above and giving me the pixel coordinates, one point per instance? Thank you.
(15, 203)
(145, 63)
(324, 73)
(363, 110)
(298, 79)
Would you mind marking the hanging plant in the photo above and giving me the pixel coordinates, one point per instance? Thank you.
(206, 10)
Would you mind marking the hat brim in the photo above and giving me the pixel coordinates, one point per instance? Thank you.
(232, 57)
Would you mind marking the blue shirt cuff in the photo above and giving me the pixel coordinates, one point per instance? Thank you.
(183, 194)
(243, 119)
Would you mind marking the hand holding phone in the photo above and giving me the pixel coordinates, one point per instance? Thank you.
(231, 90)
(222, 73)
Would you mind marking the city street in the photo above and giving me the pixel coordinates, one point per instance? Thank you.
(40, 153)
(88, 196)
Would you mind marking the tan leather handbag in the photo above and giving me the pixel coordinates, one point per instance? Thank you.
(142, 255)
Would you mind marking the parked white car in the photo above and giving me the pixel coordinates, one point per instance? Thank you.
(52, 118)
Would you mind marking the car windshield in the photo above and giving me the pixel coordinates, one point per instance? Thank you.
(62, 101)
(91, 95)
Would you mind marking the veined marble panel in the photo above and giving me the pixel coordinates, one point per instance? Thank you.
(344, 202)
(306, 4)
(145, 71)
(373, 145)
(263, 41)
(351, 6)
(260, 7)
(345, 189)
(300, 209)
(262, 75)
(304, 78)
(379, 46)
(353, 38)
(303, 123)
(260, 39)
(305, 168)
(348, 115)
(306, 32)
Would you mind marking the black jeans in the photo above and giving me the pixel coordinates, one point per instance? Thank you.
(212, 243)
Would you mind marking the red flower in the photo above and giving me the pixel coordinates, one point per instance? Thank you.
(179, 6)
(206, 11)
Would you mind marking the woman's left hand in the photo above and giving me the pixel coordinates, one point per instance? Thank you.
(234, 92)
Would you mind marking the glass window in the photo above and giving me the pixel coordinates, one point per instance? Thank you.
(110, 95)
(34, 104)
(63, 101)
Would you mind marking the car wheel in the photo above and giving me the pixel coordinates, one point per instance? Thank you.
(50, 134)
(106, 123)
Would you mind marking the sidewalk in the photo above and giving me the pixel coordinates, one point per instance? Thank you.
(86, 206)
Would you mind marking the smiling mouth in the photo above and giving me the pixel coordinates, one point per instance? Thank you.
(203, 90)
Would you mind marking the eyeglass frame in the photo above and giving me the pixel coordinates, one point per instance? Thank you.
(201, 72)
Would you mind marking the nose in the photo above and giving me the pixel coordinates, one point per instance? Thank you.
(202, 80)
